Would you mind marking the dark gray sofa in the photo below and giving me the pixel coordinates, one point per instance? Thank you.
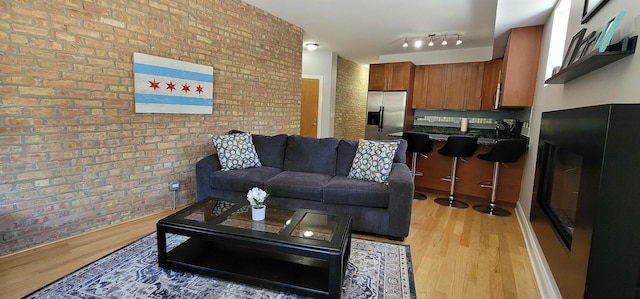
(311, 173)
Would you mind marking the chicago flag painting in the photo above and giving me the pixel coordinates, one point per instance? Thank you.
(165, 85)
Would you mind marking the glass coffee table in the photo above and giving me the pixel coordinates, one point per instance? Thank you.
(299, 251)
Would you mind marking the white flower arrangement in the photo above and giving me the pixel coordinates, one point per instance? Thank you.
(256, 197)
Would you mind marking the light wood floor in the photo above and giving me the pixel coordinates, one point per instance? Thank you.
(455, 254)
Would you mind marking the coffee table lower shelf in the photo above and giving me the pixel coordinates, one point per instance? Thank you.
(281, 271)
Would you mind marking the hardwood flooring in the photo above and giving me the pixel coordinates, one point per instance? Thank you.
(455, 254)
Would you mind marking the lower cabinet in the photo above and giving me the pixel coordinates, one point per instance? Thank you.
(470, 173)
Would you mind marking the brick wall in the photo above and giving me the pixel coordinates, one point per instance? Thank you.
(73, 154)
(351, 99)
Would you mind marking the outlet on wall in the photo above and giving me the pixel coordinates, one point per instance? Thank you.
(174, 185)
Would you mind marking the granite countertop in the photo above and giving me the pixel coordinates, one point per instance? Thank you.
(485, 137)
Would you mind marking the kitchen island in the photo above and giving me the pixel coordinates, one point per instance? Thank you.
(472, 172)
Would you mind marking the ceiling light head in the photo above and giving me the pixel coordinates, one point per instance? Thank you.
(311, 46)
(418, 43)
(444, 40)
(405, 44)
(458, 42)
(431, 40)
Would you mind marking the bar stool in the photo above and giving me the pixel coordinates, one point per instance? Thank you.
(504, 151)
(456, 146)
(417, 142)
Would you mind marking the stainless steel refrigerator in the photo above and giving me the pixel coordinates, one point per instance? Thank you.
(385, 114)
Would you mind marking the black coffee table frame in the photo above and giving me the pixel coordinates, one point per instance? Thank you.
(279, 261)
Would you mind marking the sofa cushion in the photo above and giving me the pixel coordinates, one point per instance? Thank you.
(347, 151)
(307, 154)
(242, 180)
(301, 185)
(373, 160)
(355, 192)
(236, 151)
(271, 149)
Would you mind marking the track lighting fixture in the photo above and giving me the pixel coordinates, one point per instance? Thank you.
(417, 41)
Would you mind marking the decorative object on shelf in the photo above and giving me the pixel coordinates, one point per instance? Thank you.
(607, 32)
(591, 7)
(256, 198)
(571, 50)
(594, 60)
(417, 41)
(586, 45)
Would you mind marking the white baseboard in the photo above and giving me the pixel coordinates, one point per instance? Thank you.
(546, 283)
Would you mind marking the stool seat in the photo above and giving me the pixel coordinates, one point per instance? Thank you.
(504, 151)
(417, 142)
(456, 146)
(459, 146)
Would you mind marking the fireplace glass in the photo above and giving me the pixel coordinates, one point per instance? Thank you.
(561, 186)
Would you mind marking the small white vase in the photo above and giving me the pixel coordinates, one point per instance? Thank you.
(258, 214)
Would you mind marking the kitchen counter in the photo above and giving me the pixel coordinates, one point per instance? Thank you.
(485, 137)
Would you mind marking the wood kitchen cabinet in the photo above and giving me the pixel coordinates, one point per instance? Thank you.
(391, 76)
(520, 66)
(473, 88)
(448, 86)
(471, 172)
(490, 79)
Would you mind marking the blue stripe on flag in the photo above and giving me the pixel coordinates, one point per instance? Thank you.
(169, 72)
(175, 100)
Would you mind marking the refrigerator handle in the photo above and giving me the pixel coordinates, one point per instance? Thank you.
(381, 125)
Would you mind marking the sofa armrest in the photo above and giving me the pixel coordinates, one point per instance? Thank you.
(204, 168)
(400, 201)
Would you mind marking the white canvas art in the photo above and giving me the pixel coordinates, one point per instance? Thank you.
(165, 85)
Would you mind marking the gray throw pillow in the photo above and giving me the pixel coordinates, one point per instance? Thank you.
(236, 151)
(373, 160)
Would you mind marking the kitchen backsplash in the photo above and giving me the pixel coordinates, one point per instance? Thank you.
(477, 119)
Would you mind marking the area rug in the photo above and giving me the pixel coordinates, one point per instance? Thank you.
(375, 270)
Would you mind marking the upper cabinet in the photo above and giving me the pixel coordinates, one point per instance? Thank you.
(391, 76)
(520, 66)
(490, 80)
(448, 86)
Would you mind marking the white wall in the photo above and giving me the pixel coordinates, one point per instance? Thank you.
(323, 64)
(615, 83)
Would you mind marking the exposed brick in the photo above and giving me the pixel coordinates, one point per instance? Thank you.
(351, 99)
(70, 132)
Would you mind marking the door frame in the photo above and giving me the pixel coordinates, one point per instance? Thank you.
(320, 100)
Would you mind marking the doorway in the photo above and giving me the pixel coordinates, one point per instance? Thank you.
(309, 107)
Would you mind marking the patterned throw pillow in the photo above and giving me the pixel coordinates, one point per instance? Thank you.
(236, 151)
(373, 160)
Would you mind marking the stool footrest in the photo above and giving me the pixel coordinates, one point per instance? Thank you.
(448, 178)
(485, 185)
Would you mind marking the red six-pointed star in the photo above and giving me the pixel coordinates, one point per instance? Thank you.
(153, 84)
(199, 89)
(186, 88)
(171, 86)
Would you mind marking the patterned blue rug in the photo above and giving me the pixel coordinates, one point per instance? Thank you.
(375, 270)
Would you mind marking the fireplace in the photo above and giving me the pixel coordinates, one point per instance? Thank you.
(562, 189)
(586, 206)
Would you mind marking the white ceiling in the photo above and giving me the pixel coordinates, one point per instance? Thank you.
(363, 30)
